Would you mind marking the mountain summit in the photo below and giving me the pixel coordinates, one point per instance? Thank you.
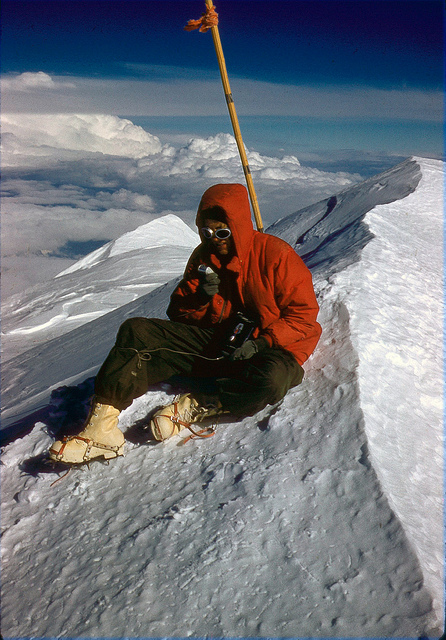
(321, 516)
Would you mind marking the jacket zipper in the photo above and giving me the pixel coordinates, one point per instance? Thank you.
(222, 311)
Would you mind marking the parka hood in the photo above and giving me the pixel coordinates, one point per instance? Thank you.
(234, 201)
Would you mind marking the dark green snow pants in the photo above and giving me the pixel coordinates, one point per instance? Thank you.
(148, 351)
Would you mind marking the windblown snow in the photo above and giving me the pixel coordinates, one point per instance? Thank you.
(319, 517)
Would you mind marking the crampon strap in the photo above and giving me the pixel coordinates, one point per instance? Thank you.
(90, 444)
(203, 433)
(177, 420)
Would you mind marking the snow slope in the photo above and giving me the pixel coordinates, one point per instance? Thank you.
(118, 272)
(320, 517)
(396, 328)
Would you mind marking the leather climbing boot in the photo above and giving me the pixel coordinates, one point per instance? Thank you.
(181, 414)
(100, 438)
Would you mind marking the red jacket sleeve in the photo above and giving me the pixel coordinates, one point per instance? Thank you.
(287, 302)
(187, 303)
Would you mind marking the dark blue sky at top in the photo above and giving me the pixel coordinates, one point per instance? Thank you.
(384, 43)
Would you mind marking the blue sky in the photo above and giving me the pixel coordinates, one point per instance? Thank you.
(307, 76)
(386, 43)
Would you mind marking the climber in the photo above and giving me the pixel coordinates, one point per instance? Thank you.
(235, 270)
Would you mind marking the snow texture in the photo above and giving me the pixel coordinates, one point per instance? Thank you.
(319, 517)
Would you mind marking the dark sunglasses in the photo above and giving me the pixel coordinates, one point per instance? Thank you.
(221, 234)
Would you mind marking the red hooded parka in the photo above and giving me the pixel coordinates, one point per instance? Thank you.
(265, 279)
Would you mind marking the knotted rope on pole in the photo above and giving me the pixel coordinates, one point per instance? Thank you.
(208, 20)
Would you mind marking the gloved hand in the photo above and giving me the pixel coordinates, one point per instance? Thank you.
(209, 284)
(249, 349)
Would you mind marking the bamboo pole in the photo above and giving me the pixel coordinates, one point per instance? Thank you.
(234, 121)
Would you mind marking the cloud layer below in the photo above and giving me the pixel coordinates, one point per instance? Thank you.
(77, 178)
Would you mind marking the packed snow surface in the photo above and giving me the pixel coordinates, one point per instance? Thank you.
(319, 517)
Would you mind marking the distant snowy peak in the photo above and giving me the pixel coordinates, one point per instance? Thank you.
(167, 230)
(164, 231)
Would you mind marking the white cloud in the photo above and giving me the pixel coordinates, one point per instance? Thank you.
(30, 228)
(29, 81)
(176, 95)
(77, 132)
(19, 273)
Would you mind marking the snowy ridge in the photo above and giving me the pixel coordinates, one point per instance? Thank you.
(25, 389)
(303, 507)
(341, 223)
(395, 319)
(321, 233)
